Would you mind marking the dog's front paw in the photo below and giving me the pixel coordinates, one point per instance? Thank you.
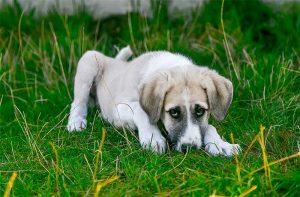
(155, 143)
(223, 148)
(76, 124)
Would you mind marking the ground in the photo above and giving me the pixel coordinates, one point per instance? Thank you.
(255, 46)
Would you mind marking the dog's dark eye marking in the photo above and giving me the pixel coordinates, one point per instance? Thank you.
(175, 112)
(199, 111)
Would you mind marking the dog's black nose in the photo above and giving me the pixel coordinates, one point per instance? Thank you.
(186, 147)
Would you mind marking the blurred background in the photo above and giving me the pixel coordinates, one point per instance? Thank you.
(105, 8)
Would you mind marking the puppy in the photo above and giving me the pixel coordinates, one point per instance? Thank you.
(156, 86)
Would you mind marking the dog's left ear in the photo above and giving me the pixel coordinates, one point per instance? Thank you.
(152, 95)
(219, 93)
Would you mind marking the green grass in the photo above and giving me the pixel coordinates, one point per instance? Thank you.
(38, 59)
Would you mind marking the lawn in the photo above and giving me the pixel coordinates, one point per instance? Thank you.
(255, 45)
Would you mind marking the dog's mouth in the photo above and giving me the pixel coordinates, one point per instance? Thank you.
(175, 143)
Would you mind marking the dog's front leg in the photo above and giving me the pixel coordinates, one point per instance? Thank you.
(216, 146)
(150, 136)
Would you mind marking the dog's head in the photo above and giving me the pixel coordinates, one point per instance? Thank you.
(183, 99)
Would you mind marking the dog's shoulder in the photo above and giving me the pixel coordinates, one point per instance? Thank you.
(160, 60)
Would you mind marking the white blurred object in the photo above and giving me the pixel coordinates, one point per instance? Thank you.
(97, 8)
(105, 8)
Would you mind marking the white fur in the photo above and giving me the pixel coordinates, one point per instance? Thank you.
(192, 134)
(124, 54)
(149, 135)
(216, 146)
(118, 85)
(165, 60)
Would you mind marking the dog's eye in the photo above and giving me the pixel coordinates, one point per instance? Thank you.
(199, 111)
(175, 112)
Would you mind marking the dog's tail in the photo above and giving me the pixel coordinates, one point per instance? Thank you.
(125, 53)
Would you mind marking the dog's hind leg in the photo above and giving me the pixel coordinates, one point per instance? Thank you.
(124, 54)
(89, 69)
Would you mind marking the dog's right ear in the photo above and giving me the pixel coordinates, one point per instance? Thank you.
(219, 93)
(152, 95)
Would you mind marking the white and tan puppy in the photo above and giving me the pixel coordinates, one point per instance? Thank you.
(156, 86)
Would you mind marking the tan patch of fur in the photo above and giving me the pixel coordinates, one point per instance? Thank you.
(205, 87)
(183, 80)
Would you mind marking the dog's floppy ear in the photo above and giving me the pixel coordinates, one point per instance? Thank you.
(152, 95)
(219, 93)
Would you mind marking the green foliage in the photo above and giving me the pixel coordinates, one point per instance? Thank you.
(38, 59)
